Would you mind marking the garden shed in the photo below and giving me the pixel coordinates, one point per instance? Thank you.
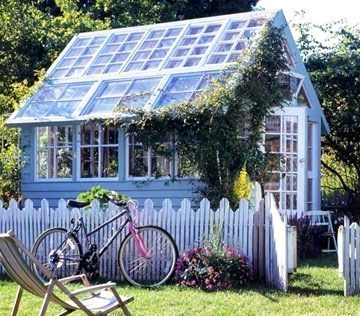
(149, 67)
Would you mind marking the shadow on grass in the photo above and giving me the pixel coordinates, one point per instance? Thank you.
(309, 286)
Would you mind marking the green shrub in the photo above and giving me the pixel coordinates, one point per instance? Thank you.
(97, 193)
(309, 237)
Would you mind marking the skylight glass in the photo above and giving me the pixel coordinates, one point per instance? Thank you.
(129, 93)
(237, 36)
(56, 100)
(78, 57)
(115, 53)
(154, 49)
(184, 88)
(148, 66)
(193, 46)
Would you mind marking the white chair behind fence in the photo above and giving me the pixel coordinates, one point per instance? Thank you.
(323, 218)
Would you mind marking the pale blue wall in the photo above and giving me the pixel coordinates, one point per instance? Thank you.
(53, 190)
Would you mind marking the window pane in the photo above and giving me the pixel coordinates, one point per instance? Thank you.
(156, 34)
(113, 89)
(64, 163)
(99, 151)
(236, 25)
(36, 109)
(173, 32)
(212, 28)
(138, 159)
(192, 62)
(42, 160)
(62, 108)
(273, 124)
(183, 83)
(173, 98)
(165, 43)
(89, 162)
(206, 39)
(54, 152)
(118, 38)
(272, 143)
(194, 30)
(217, 59)
(109, 168)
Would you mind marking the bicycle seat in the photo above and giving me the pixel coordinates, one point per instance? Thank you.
(77, 204)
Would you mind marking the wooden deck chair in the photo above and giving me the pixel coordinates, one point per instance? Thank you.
(17, 260)
(323, 218)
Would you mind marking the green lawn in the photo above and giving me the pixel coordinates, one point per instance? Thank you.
(315, 289)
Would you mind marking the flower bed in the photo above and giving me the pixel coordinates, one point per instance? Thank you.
(212, 269)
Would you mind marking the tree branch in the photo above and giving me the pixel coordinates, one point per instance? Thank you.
(338, 175)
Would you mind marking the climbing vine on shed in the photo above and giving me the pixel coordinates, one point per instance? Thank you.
(222, 129)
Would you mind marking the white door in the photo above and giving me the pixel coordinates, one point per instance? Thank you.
(285, 134)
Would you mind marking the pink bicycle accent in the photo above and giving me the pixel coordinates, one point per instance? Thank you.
(139, 242)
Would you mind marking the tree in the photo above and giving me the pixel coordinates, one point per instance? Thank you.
(142, 12)
(30, 40)
(334, 68)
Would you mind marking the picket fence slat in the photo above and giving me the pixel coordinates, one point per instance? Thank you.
(349, 256)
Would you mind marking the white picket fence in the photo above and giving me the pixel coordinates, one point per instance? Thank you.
(349, 256)
(257, 234)
(280, 247)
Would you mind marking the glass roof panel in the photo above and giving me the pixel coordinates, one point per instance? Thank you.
(128, 93)
(145, 66)
(114, 54)
(78, 57)
(139, 92)
(56, 100)
(183, 88)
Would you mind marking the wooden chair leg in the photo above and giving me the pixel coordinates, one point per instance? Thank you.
(17, 301)
(122, 305)
(47, 298)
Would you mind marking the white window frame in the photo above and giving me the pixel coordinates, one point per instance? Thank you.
(55, 147)
(149, 166)
(99, 147)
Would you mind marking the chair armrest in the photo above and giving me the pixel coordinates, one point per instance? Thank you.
(93, 288)
(75, 277)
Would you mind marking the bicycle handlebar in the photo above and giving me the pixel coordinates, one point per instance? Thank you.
(112, 199)
(117, 202)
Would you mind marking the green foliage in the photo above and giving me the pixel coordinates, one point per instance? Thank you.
(334, 69)
(210, 269)
(222, 128)
(142, 12)
(100, 194)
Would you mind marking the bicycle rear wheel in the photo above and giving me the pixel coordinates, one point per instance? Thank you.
(59, 252)
(159, 263)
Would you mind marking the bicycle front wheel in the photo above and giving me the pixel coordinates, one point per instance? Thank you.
(59, 252)
(157, 265)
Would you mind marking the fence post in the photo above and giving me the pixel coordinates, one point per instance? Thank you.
(346, 257)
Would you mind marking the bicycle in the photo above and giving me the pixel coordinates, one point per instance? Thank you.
(146, 256)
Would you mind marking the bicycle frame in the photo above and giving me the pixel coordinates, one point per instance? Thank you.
(81, 226)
